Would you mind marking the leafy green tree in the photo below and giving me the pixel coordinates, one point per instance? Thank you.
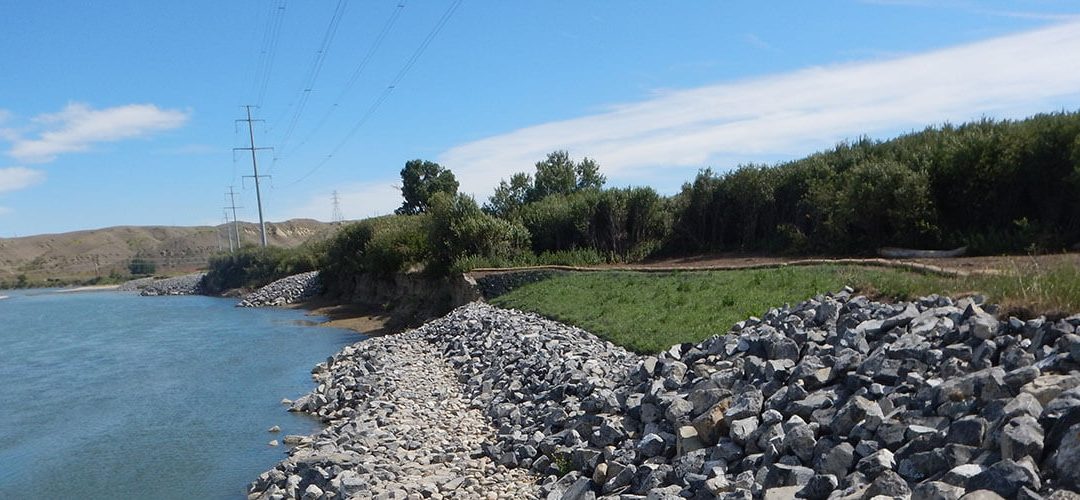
(588, 174)
(509, 196)
(555, 175)
(420, 179)
(140, 266)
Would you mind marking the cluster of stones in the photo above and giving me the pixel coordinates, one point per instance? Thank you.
(288, 290)
(841, 397)
(398, 427)
(836, 397)
(189, 284)
(134, 285)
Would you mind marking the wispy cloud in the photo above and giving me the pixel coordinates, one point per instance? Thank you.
(78, 127)
(16, 178)
(757, 42)
(797, 112)
(1037, 16)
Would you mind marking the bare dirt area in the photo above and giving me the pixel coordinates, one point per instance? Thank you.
(367, 320)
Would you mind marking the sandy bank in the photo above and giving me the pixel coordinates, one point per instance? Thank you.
(95, 288)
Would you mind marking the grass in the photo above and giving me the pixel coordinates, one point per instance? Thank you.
(649, 312)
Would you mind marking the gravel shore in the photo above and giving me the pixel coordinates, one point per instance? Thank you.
(401, 428)
(836, 397)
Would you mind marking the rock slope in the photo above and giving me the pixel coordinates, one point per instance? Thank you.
(287, 290)
(399, 427)
(189, 284)
(836, 397)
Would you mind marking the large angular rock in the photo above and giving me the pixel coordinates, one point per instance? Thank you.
(1022, 437)
(837, 460)
(745, 404)
(854, 411)
(1005, 478)
(1066, 460)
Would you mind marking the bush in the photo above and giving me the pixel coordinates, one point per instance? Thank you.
(253, 267)
(458, 229)
(141, 267)
(380, 245)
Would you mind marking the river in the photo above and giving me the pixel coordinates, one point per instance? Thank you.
(112, 395)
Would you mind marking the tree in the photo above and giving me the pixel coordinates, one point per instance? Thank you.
(140, 266)
(509, 197)
(588, 175)
(556, 174)
(420, 179)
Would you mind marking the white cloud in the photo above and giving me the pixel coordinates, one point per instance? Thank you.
(16, 178)
(357, 201)
(796, 113)
(78, 127)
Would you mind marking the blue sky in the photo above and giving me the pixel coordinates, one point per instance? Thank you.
(123, 112)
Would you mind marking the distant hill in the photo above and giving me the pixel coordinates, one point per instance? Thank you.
(101, 252)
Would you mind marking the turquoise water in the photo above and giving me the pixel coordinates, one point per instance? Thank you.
(111, 395)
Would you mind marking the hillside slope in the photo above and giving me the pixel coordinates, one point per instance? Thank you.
(99, 252)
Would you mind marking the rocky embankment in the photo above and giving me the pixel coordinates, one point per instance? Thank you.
(134, 285)
(189, 284)
(836, 397)
(288, 290)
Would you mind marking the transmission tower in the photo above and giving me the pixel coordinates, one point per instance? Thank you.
(236, 222)
(255, 169)
(337, 217)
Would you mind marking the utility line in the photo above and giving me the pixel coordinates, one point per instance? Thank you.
(316, 68)
(352, 81)
(269, 50)
(389, 88)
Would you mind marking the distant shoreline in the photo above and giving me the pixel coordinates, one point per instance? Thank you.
(94, 288)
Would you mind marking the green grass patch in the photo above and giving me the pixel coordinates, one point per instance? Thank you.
(649, 312)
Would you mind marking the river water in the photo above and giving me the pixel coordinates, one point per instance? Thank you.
(112, 395)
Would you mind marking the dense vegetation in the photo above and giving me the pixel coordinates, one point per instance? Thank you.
(252, 266)
(995, 186)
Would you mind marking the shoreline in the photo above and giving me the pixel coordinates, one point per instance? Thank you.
(364, 320)
(775, 407)
(91, 288)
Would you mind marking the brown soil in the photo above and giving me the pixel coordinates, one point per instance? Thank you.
(367, 320)
(962, 265)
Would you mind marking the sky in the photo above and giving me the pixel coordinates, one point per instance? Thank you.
(125, 112)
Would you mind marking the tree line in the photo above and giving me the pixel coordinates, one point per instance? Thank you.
(995, 186)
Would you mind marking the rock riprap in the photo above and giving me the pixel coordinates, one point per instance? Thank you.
(836, 397)
(189, 284)
(288, 290)
(134, 285)
(398, 427)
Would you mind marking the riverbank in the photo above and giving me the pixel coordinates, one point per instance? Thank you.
(837, 396)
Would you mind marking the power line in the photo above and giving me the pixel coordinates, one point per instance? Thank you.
(355, 78)
(267, 53)
(316, 68)
(389, 89)
(255, 169)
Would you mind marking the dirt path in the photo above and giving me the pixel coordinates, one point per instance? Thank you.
(948, 266)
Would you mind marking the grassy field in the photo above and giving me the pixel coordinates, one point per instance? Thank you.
(648, 312)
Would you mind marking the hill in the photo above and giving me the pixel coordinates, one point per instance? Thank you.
(84, 255)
